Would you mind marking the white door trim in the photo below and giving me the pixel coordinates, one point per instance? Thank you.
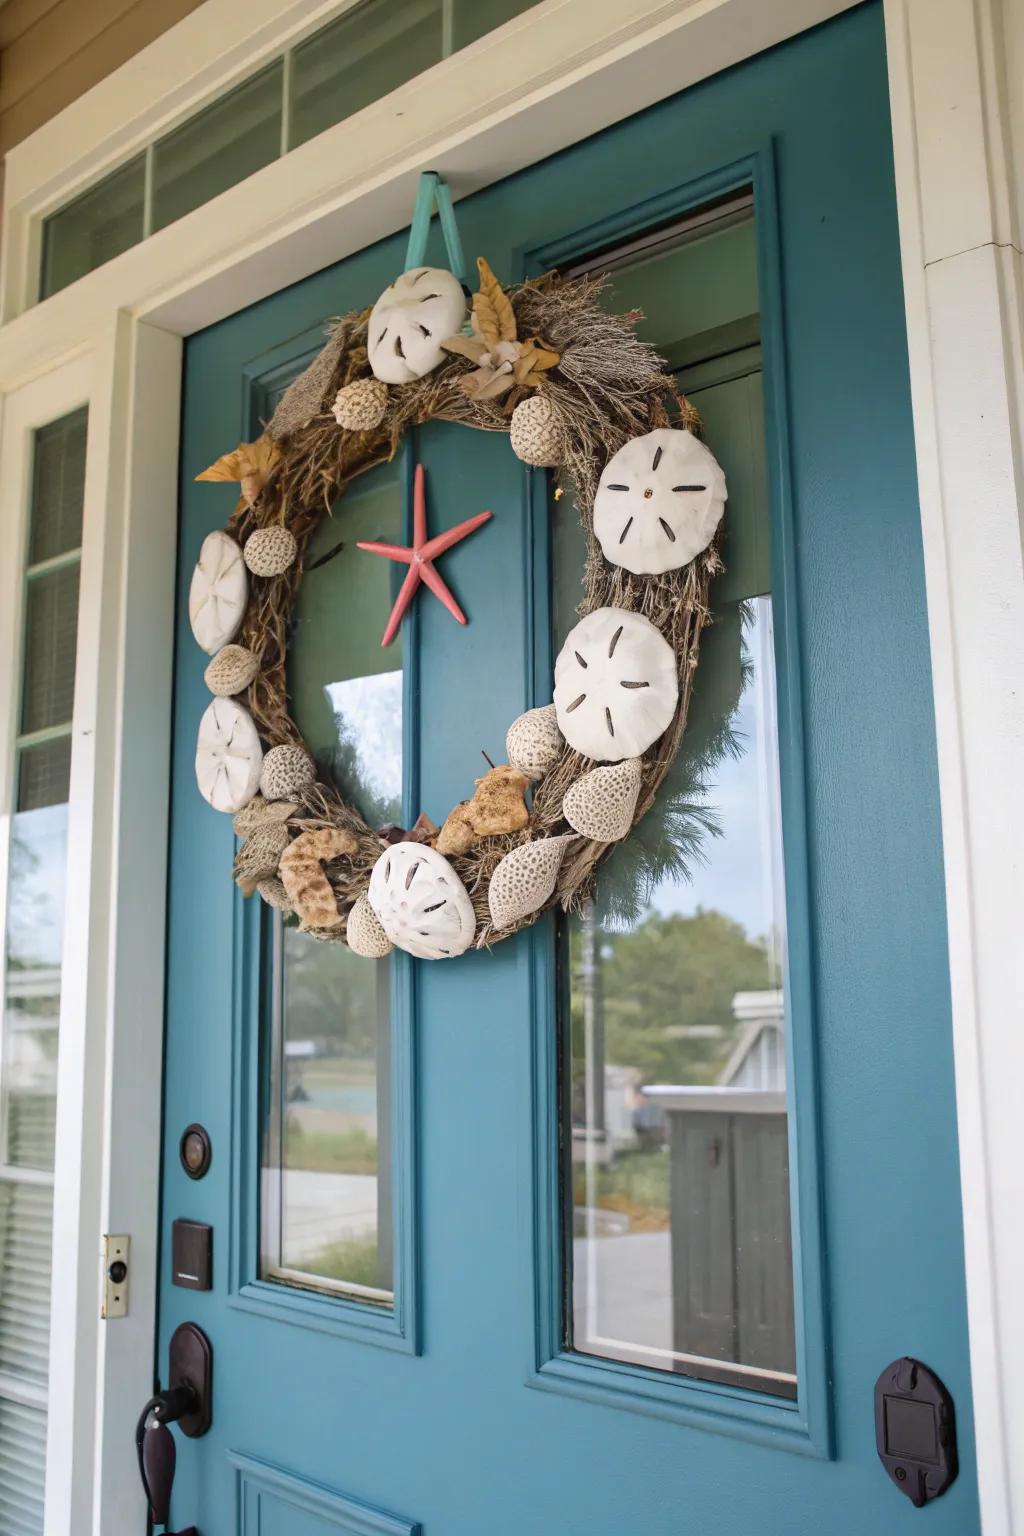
(480, 116)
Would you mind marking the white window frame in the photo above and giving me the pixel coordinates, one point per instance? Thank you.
(478, 116)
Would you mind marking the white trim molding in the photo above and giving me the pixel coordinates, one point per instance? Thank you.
(953, 105)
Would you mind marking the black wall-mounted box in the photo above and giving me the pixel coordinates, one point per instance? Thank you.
(192, 1255)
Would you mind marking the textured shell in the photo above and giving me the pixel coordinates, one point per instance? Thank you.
(287, 771)
(259, 855)
(302, 874)
(231, 671)
(228, 756)
(421, 902)
(600, 805)
(364, 932)
(659, 501)
(270, 551)
(218, 594)
(410, 320)
(536, 432)
(274, 894)
(616, 685)
(534, 742)
(525, 879)
(360, 406)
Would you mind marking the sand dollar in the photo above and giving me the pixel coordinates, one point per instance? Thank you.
(658, 502)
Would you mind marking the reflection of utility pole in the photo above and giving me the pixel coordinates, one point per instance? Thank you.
(593, 1026)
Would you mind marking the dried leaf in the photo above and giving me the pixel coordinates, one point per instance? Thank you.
(485, 384)
(472, 347)
(257, 460)
(494, 315)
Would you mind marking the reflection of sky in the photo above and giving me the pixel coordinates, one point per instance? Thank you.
(35, 920)
(368, 712)
(743, 873)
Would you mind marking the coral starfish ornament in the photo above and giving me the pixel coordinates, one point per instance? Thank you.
(420, 558)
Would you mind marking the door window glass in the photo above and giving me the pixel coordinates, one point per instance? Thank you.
(678, 1232)
(327, 1217)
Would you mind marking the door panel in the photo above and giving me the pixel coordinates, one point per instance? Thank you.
(463, 1405)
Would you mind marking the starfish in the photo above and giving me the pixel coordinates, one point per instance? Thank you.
(420, 558)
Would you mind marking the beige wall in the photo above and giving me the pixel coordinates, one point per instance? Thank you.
(52, 51)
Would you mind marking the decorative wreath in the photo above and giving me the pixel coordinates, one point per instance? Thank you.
(576, 390)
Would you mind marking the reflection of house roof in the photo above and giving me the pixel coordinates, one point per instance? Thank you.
(759, 1059)
(41, 981)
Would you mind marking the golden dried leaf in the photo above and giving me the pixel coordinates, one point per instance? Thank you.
(485, 384)
(472, 347)
(492, 310)
(258, 459)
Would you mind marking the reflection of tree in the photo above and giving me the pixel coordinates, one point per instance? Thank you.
(341, 764)
(665, 978)
(331, 997)
(670, 839)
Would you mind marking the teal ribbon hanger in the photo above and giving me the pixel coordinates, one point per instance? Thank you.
(433, 192)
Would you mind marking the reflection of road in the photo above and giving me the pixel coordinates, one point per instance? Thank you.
(623, 1288)
(325, 1208)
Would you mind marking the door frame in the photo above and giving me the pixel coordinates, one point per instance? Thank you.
(124, 324)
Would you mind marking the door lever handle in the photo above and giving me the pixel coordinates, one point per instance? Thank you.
(186, 1401)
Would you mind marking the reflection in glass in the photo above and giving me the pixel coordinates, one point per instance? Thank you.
(327, 1209)
(95, 228)
(673, 977)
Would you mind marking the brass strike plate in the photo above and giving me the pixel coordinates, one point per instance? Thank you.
(115, 1276)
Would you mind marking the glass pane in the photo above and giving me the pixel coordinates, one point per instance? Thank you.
(58, 487)
(327, 1180)
(26, 1229)
(676, 1081)
(474, 18)
(51, 627)
(22, 1469)
(218, 147)
(96, 227)
(357, 59)
(44, 773)
(35, 931)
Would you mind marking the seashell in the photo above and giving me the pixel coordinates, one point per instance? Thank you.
(231, 671)
(218, 593)
(287, 771)
(302, 874)
(364, 932)
(259, 812)
(658, 502)
(525, 879)
(616, 685)
(228, 756)
(410, 320)
(270, 551)
(421, 902)
(259, 855)
(274, 894)
(536, 432)
(600, 805)
(534, 742)
(360, 406)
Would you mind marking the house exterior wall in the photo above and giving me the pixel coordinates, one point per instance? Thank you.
(958, 124)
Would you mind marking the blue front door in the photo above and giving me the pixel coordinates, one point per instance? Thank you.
(613, 1229)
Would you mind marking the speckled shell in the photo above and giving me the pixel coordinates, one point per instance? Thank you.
(274, 894)
(616, 685)
(360, 406)
(600, 805)
(364, 932)
(534, 742)
(219, 592)
(228, 756)
(287, 771)
(421, 902)
(270, 551)
(658, 502)
(231, 671)
(259, 855)
(535, 432)
(525, 878)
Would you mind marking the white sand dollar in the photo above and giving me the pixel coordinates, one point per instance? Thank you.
(616, 685)
(525, 879)
(219, 592)
(364, 932)
(658, 502)
(229, 757)
(600, 805)
(410, 320)
(534, 742)
(421, 902)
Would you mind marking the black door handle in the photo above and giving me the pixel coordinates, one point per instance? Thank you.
(187, 1401)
